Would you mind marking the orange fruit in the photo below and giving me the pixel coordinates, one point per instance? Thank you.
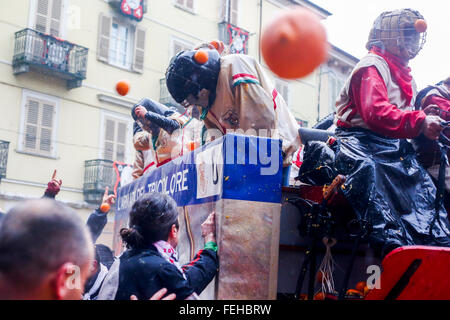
(122, 87)
(366, 290)
(360, 286)
(355, 293)
(294, 44)
(421, 25)
(201, 56)
(319, 296)
(105, 207)
(215, 44)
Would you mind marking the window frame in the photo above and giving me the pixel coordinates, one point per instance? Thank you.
(128, 142)
(63, 23)
(183, 42)
(130, 45)
(41, 97)
(185, 8)
(287, 98)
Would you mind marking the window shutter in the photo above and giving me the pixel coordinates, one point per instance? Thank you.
(180, 2)
(121, 141)
(109, 139)
(55, 18)
(48, 112)
(115, 139)
(234, 11)
(139, 50)
(224, 11)
(42, 14)
(31, 125)
(39, 123)
(190, 4)
(104, 35)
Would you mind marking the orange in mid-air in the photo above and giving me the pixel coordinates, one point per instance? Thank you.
(123, 87)
(420, 25)
(294, 43)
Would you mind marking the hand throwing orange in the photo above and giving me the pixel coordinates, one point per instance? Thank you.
(294, 44)
(122, 87)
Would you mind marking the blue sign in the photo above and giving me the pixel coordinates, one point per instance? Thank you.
(233, 167)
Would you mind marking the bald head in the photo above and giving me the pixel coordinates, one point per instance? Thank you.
(38, 237)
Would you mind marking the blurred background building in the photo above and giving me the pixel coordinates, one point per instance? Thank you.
(60, 61)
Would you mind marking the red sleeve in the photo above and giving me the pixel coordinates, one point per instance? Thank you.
(369, 94)
(442, 103)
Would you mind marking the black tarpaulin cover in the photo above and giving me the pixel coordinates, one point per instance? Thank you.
(387, 187)
(318, 164)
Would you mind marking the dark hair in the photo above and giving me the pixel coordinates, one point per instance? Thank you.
(151, 219)
(37, 237)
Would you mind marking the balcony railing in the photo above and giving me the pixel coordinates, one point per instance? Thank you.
(166, 98)
(98, 174)
(35, 50)
(4, 147)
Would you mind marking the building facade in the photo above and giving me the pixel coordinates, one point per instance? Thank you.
(60, 61)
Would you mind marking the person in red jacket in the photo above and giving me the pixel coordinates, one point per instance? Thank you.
(385, 184)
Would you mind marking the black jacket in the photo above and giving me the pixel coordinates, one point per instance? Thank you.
(142, 272)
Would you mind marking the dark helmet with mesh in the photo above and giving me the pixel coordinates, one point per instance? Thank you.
(186, 75)
(395, 32)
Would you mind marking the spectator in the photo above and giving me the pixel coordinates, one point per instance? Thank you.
(45, 252)
(151, 263)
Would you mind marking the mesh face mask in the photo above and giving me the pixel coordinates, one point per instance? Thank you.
(395, 32)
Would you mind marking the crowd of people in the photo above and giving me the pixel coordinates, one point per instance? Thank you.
(46, 252)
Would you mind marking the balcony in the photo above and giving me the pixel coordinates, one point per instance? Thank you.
(166, 98)
(35, 51)
(98, 174)
(235, 37)
(4, 147)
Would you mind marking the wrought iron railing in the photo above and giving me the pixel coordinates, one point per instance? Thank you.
(98, 174)
(49, 54)
(166, 98)
(4, 148)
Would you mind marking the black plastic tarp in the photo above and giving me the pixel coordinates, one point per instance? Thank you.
(387, 187)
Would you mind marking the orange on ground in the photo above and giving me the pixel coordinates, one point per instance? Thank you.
(295, 43)
(353, 292)
(122, 87)
(421, 25)
(105, 207)
(360, 286)
(201, 56)
(366, 290)
(319, 296)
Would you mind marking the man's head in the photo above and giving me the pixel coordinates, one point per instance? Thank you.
(45, 252)
(395, 32)
(193, 75)
(153, 217)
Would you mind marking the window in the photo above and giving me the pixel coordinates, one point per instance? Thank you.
(116, 138)
(283, 89)
(39, 124)
(121, 44)
(178, 45)
(48, 17)
(185, 4)
(230, 11)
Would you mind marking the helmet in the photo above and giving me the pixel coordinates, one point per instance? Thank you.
(187, 74)
(395, 31)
